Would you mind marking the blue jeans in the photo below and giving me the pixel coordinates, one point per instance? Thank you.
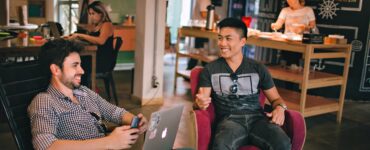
(234, 131)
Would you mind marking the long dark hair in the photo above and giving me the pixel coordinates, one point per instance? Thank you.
(99, 7)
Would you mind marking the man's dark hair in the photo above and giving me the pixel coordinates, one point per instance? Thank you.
(55, 51)
(234, 23)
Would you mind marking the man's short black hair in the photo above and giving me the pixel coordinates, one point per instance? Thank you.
(55, 51)
(234, 23)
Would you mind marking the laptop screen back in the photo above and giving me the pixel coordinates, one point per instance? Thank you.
(163, 128)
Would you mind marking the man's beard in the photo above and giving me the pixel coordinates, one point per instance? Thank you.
(71, 85)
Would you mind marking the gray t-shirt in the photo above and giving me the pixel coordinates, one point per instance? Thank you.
(251, 77)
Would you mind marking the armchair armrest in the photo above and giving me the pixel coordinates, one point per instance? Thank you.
(204, 120)
(295, 128)
(203, 129)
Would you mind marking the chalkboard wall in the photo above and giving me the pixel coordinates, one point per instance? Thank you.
(346, 17)
(352, 19)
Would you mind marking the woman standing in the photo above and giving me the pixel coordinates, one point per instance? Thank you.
(100, 34)
(296, 18)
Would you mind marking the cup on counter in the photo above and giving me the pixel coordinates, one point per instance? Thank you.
(129, 19)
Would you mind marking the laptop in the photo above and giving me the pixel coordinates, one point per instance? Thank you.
(163, 126)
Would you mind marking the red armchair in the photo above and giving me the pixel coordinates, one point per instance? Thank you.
(294, 124)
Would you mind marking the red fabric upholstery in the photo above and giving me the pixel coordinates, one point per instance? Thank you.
(294, 124)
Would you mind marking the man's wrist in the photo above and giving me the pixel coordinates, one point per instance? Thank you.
(282, 105)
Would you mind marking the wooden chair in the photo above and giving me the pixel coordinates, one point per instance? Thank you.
(108, 76)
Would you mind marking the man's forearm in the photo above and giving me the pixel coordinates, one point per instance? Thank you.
(277, 102)
(91, 144)
(127, 117)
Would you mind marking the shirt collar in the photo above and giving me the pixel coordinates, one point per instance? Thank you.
(56, 93)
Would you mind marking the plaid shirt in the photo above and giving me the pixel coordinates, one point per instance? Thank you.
(54, 116)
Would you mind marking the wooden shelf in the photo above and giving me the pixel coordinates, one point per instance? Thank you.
(202, 57)
(316, 78)
(184, 73)
(314, 104)
(197, 32)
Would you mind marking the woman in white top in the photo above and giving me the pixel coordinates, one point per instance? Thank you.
(297, 18)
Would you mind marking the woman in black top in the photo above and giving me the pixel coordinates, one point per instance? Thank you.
(101, 33)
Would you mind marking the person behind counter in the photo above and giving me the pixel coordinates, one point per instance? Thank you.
(297, 18)
(101, 34)
(68, 115)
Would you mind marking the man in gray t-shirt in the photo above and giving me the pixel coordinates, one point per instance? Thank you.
(233, 83)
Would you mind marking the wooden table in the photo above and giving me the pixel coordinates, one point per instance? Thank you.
(23, 47)
(308, 105)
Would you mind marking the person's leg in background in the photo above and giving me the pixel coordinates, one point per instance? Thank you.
(199, 43)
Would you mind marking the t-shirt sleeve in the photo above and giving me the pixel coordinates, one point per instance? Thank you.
(266, 81)
(311, 14)
(205, 78)
(283, 13)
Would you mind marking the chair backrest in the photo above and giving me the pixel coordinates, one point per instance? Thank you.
(117, 45)
(19, 83)
(194, 79)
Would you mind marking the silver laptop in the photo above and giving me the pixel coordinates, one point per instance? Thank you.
(163, 126)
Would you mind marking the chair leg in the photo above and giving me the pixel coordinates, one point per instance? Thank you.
(107, 88)
(113, 88)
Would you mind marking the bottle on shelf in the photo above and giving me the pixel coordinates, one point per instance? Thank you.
(210, 17)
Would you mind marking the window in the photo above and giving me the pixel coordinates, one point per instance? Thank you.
(68, 15)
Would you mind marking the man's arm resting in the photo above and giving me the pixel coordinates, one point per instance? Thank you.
(274, 97)
(101, 143)
(127, 118)
(121, 138)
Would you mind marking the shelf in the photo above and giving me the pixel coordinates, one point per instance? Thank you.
(315, 105)
(197, 32)
(184, 73)
(205, 58)
(316, 78)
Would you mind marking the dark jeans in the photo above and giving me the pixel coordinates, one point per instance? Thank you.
(252, 129)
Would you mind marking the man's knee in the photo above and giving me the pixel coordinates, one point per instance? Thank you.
(282, 142)
(229, 135)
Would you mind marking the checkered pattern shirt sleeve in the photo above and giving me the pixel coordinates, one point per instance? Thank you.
(44, 119)
(109, 111)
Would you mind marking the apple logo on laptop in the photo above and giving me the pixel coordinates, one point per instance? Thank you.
(164, 133)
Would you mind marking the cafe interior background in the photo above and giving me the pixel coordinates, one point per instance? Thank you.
(350, 18)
